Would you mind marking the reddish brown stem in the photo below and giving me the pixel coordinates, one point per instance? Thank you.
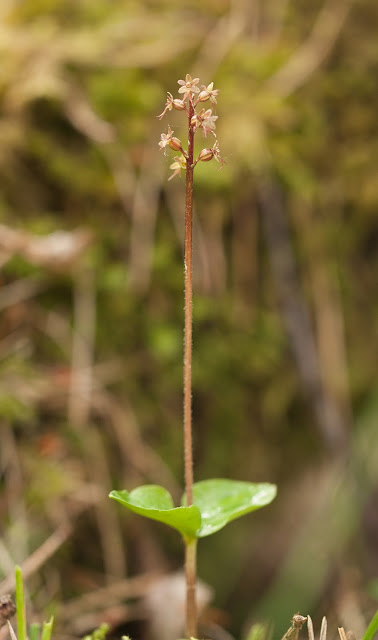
(190, 546)
(188, 280)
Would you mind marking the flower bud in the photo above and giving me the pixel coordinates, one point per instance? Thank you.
(194, 120)
(178, 104)
(206, 155)
(203, 96)
(175, 144)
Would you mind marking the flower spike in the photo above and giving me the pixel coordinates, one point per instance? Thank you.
(198, 118)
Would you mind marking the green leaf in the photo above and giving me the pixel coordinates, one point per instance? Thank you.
(372, 628)
(47, 629)
(34, 631)
(258, 631)
(100, 633)
(221, 501)
(216, 502)
(156, 503)
(20, 605)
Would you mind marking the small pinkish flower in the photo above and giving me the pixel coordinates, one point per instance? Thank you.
(204, 120)
(216, 153)
(177, 166)
(168, 139)
(179, 104)
(188, 86)
(168, 105)
(208, 93)
(172, 103)
(165, 138)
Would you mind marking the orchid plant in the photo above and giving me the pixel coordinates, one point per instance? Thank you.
(206, 506)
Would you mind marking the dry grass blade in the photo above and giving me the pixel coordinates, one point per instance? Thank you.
(310, 628)
(11, 631)
(346, 636)
(342, 633)
(323, 629)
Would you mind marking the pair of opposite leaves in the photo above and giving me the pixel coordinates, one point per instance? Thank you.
(216, 502)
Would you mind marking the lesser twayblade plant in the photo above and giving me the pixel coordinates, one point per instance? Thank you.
(209, 505)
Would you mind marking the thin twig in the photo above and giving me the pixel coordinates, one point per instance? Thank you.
(38, 558)
(107, 596)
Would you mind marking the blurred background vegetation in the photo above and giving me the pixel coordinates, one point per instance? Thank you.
(286, 306)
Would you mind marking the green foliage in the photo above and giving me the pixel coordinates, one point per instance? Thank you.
(20, 605)
(372, 629)
(47, 628)
(34, 629)
(216, 502)
(67, 67)
(221, 501)
(258, 631)
(156, 503)
(13, 408)
(98, 634)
